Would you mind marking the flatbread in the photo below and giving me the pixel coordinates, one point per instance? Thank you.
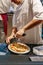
(19, 47)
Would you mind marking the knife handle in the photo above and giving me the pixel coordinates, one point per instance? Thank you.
(24, 34)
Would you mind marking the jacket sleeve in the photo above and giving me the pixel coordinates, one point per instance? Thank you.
(37, 9)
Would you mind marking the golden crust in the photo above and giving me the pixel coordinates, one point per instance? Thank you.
(18, 47)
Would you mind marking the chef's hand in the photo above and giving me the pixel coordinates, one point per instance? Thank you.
(9, 38)
(13, 34)
(20, 33)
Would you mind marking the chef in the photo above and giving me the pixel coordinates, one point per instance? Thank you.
(4, 8)
(26, 17)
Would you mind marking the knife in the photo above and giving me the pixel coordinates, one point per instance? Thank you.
(15, 39)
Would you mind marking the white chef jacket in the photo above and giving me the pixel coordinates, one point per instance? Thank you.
(5, 6)
(23, 14)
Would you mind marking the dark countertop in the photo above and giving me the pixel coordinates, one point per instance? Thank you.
(15, 59)
(11, 58)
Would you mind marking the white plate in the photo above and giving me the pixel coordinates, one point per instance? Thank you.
(38, 50)
(19, 52)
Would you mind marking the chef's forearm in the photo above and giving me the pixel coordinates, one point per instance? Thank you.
(32, 24)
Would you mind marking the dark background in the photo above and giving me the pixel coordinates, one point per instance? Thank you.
(41, 1)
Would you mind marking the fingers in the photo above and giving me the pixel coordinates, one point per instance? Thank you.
(20, 33)
(8, 40)
(10, 37)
